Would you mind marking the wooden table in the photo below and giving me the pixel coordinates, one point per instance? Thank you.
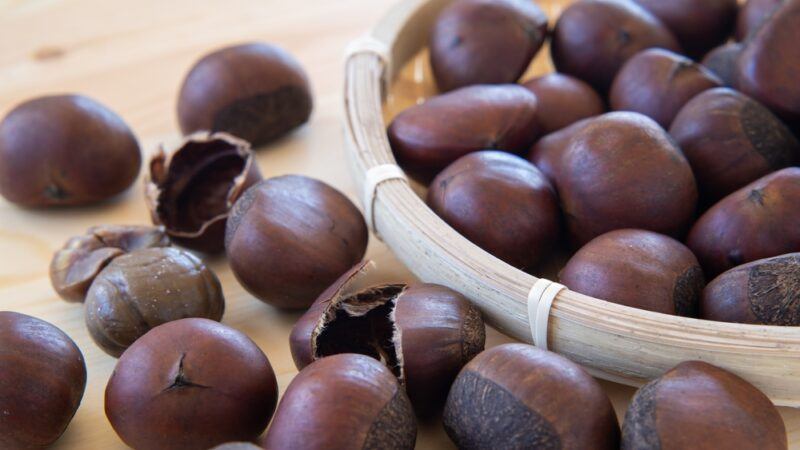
(132, 57)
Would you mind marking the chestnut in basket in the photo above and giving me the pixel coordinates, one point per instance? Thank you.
(255, 91)
(547, 152)
(78, 262)
(699, 406)
(593, 38)
(290, 237)
(42, 379)
(500, 202)
(65, 150)
(657, 83)
(731, 140)
(426, 138)
(722, 62)
(145, 288)
(485, 42)
(188, 384)
(757, 221)
(518, 396)
(563, 100)
(752, 14)
(343, 402)
(637, 268)
(191, 189)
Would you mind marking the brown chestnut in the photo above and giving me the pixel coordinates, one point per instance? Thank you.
(752, 14)
(478, 118)
(343, 402)
(145, 288)
(238, 446)
(190, 190)
(640, 269)
(78, 262)
(722, 62)
(65, 150)
(255, 91)
(290, 237)
(189, 384)
(563, 100)
(547, 151)
(657, 83)
(699, 406)
(517, 396)
(485, 42)
(42, 379)
(500, 202)
(757, 221)
(593, 38)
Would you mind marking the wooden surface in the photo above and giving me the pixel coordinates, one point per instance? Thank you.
(132, 56)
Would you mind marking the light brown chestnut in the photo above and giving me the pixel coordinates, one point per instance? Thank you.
(721, 61)
(563, 100)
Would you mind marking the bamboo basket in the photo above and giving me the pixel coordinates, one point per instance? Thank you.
(385, 72)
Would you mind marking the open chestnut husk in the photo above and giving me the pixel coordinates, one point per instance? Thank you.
(518, 396)
(77, 263)
(563, 100)
(42, 380)
(65, 150)
(191, 189)
(699, 406)
(721, 61)
(752, 14)
(256, 91)
(189, 384)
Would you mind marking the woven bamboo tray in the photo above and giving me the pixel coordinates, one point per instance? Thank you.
(387, 71)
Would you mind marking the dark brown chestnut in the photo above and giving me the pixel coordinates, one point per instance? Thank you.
(290, 237)
(593, 38)
(657, 83)
(699, 406)
(637, 268)
(42, 379)
(255, 91)
(485, 42)
(343, 402)
(478, 118)
(65, 150)
(752, 14)
(721, 61)
(78, 262)
(191, 189)
(563, 100)
(517, 396)
(547, 151)
(189, 384)
(500, 202)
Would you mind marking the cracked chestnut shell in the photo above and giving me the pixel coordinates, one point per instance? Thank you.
(563, 100)
(721, 61)
(140, 290)
(699, 406)
(752, 14)
(256, 91)
(65, 150)
(42, 380)
(637, 268)
(485, 42)
(765, 212)
(518, 396)
(191, 189)
(189, 384)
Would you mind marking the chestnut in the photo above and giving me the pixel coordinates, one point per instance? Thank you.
(485, 42)
(731, 140)
(42, 380)
(343, 402)
(255, 91)
(78, 262)
(657, 83)
(189, 384)
(757, 221)
(191, 189)
(518, 396)
(593, 38)
(721, 61)
(699, 406)
(637, 268)
(500, 202)
(65, 150)
(145, 288)
(290, 237)
(477, 118)
(238, 446)
(547, 151)
(752, 14)
(563, 100)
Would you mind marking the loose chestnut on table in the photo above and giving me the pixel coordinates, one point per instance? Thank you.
(563, 100)
(65, 150)
(721, 61)
(42, 380)
(189, 384)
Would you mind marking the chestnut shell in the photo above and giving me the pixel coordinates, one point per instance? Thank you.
(752, 15)
(563, 100)
(721, 61)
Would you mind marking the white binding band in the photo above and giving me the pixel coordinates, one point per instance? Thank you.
(374, 177)
(540, 300)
